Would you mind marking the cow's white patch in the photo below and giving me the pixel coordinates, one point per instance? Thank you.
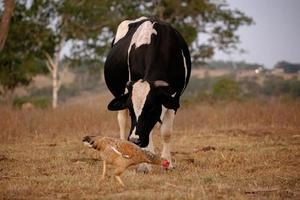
(124, 27)
(185, 71)
(140, 90)
(133, 134)
(141, 36)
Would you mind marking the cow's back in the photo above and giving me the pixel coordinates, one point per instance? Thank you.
(166, 57)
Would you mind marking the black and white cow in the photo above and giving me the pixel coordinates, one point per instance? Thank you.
(147, 70)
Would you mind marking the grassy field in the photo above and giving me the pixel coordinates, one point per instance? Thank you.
(248, 150)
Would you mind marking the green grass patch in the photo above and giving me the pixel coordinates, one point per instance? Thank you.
(36, 101)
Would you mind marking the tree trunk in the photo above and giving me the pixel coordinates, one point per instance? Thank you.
(55, 85)
(53, 66)
(9, 6)
(55, 73)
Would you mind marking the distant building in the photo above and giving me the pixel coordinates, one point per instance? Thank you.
(286, 70)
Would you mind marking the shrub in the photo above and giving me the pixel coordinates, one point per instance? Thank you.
(36, 101)
(271, 86)
(291, 87)
(277, 87)
(226, 89)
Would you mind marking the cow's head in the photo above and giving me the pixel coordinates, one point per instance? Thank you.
(144, 100)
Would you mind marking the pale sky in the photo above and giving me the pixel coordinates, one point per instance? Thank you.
(275, 36)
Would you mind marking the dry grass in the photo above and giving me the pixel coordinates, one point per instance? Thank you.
(254, 153)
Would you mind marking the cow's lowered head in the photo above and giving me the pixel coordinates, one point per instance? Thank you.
(144, 100)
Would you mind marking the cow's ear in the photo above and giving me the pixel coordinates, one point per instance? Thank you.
(119, 103)
(164, 92)
(169, 102)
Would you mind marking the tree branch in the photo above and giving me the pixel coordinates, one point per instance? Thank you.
(49, 67)
(49, 62)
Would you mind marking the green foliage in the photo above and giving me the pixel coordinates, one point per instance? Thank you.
(273, 86)
(11, 77)
(226, 89)
(291, 87)
(196, 86)
(197, 90)
(277, 86)
(36, 101)
(23, 51)
(249, 88)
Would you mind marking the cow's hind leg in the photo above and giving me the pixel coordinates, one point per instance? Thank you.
(122, 119)
(166, 131)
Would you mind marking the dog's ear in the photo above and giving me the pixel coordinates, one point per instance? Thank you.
(119, 103)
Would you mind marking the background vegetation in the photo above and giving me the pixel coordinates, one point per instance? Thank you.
(50, 27)
(86, 29)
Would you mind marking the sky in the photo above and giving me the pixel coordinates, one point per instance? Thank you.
(274, 37)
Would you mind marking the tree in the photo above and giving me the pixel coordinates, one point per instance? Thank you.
(24, 48)
(52, 23)
(9, 6)
(75, 20)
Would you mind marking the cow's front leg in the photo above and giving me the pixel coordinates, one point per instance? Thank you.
(145, 168)
(166, 131)
(122, 119)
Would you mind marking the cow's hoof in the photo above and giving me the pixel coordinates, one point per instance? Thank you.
(144, 168)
